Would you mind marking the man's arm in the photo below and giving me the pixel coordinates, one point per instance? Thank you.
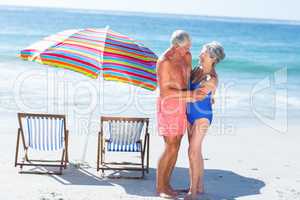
(188, 60)
(167, 88)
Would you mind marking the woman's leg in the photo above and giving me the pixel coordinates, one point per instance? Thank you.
(198, 132)
(190, 131)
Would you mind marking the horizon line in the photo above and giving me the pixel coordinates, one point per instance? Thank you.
(160, 13)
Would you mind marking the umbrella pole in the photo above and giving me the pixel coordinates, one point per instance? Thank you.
(86, 142)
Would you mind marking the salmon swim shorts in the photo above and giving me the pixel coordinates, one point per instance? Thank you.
(171, 116)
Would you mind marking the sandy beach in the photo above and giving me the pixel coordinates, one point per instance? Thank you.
(253, 163)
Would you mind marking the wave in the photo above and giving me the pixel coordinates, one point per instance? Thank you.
(252, 67)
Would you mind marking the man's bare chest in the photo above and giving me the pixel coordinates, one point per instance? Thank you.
(179, 74)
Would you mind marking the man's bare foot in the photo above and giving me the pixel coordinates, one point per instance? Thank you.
(167, 193)
(174, 192)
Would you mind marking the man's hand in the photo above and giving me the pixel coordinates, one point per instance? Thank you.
(198, 94)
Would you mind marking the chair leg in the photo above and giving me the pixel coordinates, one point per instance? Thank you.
(143, 174)
(66, 152)
(102, 156)
(67, 146)
(65, 161)
(60, 171)
(146, 151)
(102, 150)
(20, 134)
(62, 162)
(98, 151)
(148, 146)
(26, 155)
(17, 147)
(24, 146)
(142, 161)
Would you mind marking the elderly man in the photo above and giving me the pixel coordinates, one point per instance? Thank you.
(173, 71)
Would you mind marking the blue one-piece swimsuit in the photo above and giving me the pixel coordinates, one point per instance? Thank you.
(199, 109)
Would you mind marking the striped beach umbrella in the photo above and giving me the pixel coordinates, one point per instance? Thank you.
(92, 51)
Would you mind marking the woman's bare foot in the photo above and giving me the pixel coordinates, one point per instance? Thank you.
(200, 190)
(191, 196)
(166, 195)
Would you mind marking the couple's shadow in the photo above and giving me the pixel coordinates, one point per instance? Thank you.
(219, 184)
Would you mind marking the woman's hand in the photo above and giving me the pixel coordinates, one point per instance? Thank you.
(213, 100)
(211, 84)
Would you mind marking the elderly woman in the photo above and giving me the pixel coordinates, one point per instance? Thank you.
(199, 113)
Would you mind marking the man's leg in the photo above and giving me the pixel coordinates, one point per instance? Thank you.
(166, 164)
(173, 163)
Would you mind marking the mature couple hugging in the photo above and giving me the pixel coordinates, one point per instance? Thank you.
(185, 105)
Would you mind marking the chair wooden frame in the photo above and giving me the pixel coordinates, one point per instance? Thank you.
(129, 166)
(61, 164)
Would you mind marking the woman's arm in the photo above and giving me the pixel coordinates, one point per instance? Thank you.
(214, 75)
(210, 85)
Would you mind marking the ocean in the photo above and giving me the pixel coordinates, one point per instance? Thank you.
(259, 78)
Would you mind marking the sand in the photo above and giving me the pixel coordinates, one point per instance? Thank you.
(250, 163)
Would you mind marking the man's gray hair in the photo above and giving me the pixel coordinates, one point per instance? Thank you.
(215, 50)
(180, 37)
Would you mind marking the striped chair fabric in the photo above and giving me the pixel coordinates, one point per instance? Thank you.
(124, 136)
(44, 134)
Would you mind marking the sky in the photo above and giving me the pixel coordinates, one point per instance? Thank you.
(266, 9)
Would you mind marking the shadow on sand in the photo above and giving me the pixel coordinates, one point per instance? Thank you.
(219, 184)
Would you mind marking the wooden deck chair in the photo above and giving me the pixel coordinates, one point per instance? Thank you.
(124, 135)
(42, 133)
